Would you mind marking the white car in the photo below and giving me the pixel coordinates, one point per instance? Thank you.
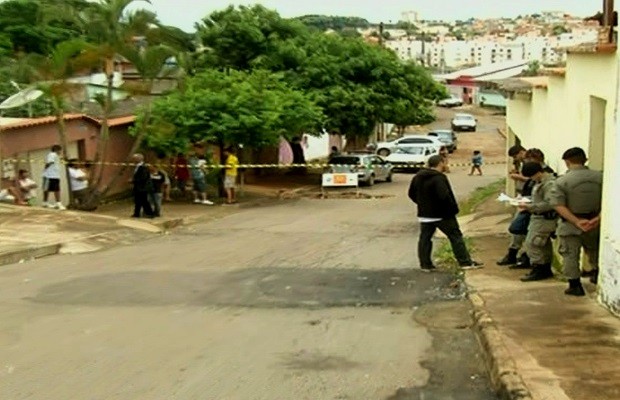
(384, 149)
(451, 101)
(411, 157)
(464, 122)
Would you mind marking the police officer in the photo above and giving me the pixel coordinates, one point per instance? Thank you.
(543, 222)
(577, 197)
(521, 220)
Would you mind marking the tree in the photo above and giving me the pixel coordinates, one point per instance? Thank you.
(33, 27)
(235, 37)
(222, 108)
(51, 74)
(337, 23)
(533, 69)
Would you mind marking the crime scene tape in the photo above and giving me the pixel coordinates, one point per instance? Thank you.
(240, 166)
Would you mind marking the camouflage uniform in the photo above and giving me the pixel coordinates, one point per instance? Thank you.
(543, 223)
(580, 190)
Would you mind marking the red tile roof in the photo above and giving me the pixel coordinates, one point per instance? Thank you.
(30, 122)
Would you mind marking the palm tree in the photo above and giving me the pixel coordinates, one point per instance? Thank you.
(149, 63)
(51, 74)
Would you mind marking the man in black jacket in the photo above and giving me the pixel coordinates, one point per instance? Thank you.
(437, 209)
(142, 188)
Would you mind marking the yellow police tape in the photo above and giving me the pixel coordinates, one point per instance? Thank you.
(242, 166)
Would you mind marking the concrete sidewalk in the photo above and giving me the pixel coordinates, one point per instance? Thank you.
(540, 343)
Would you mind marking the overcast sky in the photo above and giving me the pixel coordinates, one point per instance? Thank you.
(184, 13)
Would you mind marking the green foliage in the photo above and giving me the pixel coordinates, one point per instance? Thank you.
(250, 108)
(533, 69)
(325, 22)
(480, 195)
(234, 37)
(355, 83)
(34, 27)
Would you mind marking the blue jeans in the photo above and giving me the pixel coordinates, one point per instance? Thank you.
(155, 199)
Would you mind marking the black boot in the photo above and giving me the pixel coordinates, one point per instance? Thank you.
(594, 276)
(523, 263)
(575, 288)
(510, 258)
(539, 273)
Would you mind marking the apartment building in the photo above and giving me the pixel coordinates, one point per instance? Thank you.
(447, 52)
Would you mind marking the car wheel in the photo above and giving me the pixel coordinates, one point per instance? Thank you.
(389, 178)
(450, 151)
(384, 152)
(473, 129)
(371, 180)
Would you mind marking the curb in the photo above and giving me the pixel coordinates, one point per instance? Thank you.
(502, 369)
(14, 257)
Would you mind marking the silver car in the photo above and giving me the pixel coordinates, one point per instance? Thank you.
(369, 167)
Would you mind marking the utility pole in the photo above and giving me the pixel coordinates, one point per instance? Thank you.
(381, 34)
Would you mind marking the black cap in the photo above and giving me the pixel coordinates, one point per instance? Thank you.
(530, 169)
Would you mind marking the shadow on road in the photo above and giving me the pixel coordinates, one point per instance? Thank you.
(257, 288)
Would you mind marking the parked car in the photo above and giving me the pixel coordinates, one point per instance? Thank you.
(411, 158)
(385, 148)
(369, 167)
(464, 122)
(447, 137)
(452, 101)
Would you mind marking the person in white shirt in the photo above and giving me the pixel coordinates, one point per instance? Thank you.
(78, 183)
(51, 178)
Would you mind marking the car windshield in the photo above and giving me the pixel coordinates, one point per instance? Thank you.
(442, 134)
(344, 161)
(410, 150)
(463, 116)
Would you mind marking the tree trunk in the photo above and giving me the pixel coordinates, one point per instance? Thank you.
(134, 149)
(93, 196)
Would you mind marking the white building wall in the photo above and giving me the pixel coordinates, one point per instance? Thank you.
(609, 280)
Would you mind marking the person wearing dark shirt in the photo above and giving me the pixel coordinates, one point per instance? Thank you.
(437, 209)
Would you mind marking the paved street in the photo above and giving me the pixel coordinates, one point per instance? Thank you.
(305, 299)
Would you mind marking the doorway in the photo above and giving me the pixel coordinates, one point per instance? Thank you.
(596, 146)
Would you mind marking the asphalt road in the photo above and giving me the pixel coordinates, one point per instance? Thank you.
(305, 299)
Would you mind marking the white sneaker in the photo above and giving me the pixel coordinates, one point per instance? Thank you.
(197, 201)
(60, 207)
(207, 202)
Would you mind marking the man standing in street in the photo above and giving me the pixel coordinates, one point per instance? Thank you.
(437, 209)
(142, 187)
(543, 222)
(577, 197)
(51, 178)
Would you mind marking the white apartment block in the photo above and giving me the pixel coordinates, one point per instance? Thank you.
(489, 50)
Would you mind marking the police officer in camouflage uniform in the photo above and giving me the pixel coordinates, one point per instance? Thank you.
(577, 198)
(543, 222)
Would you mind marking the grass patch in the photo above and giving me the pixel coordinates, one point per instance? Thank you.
(480, 195)
(444, 256)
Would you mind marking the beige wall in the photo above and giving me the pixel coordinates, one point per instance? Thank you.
(580, 110)
(557, 118)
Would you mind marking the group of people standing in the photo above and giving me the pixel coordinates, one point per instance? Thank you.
(24, 189)
(152, 184)
(567, 208)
